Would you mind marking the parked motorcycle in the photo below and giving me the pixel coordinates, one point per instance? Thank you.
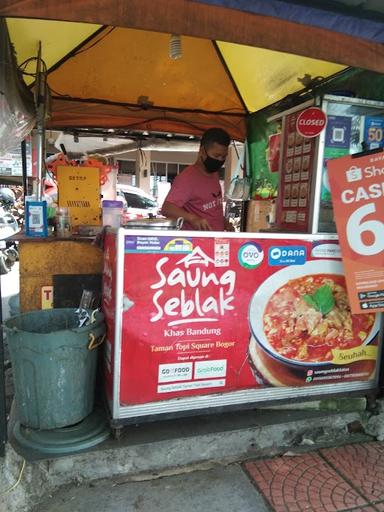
(9, 225)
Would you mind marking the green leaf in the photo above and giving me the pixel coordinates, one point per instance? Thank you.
(310, 301)
(322, 300)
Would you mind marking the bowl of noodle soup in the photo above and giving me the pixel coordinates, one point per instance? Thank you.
(300, 318)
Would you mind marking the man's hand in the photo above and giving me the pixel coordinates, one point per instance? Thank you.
(228, 226)
(173, 211)
(199, 223)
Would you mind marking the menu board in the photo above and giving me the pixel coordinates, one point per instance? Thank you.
(295, 179)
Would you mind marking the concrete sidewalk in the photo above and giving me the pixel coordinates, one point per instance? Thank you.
(340, 479)
(195, 452)
(220, 489)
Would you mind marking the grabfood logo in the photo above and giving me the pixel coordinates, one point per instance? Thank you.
(251, 255)
(189, 292)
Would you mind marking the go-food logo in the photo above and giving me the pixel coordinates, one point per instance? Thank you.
(251, 255)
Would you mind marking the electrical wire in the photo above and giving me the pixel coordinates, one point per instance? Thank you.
(95, 43)
(3, 493)
(138, 107)
(167, 118)
(57, 93)
(25, 63)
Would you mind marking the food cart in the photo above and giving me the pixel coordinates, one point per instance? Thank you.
(208, 321)
(363, 53)
(198, 322)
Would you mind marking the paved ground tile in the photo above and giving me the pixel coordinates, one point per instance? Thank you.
(362, 465)
(304, 483)
(369, 508)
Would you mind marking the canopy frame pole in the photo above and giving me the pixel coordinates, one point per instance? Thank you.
(24, 167)
(230, 76)
(40, 101)
(3, 411)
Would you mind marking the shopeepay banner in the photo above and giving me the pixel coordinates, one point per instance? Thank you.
(357, 187)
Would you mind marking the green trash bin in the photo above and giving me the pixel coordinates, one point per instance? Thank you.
(54, 366)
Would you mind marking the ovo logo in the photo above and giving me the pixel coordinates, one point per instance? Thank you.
(251, 255)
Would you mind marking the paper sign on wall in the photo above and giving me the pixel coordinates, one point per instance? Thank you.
(46, 297)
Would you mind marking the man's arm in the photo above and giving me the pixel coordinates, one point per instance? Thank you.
(171, 210)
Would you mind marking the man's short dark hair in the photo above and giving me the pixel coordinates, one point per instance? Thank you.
(215, 135)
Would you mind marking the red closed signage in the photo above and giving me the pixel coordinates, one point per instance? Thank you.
(311, 122)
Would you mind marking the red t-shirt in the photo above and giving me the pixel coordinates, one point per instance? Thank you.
(200, 194)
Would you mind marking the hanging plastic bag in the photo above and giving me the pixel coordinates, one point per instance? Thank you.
(17, 110)
(240, 187)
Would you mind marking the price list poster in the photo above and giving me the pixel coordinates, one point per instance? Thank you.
(295, 179)
(357, 189)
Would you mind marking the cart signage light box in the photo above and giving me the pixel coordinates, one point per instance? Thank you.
(229, 314)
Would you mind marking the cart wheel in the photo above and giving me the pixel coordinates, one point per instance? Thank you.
(116, 433)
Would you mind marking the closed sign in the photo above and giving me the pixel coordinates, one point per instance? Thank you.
(311, 122)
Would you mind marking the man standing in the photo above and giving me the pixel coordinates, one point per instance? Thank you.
(196, 194)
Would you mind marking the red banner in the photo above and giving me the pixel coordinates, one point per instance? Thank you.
(357, 189)
(206, 315)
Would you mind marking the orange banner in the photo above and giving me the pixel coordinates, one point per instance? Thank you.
(357, 186)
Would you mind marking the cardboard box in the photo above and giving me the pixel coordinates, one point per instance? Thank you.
(258, 214)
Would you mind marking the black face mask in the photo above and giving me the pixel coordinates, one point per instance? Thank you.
(212, 164)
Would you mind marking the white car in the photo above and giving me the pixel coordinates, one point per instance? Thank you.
(137, 203)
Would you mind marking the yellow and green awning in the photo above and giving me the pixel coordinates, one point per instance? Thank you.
(113, 77)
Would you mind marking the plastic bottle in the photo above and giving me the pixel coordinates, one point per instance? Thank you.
(63, 223)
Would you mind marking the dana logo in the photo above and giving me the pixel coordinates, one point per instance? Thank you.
(275, 253)
(283, 255)
(354, 174)
(251, 255)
